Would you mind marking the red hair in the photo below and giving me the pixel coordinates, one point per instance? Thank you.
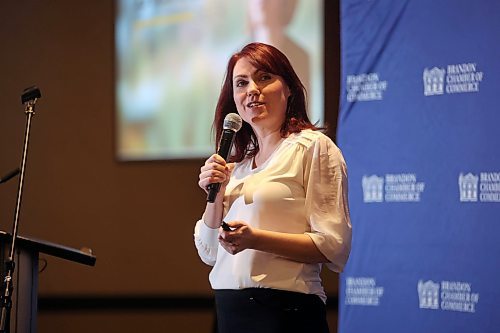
(271, 60)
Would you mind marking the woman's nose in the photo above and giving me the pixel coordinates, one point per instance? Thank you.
(253, 89)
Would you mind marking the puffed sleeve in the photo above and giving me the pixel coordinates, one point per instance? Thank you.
(327, 209)
(206, 242)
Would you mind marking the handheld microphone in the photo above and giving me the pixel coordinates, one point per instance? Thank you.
(232, 124)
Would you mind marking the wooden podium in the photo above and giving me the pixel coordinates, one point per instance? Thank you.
(25, 279)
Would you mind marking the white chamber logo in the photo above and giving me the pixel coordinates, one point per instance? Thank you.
(373, 188)
(428, 295)
(447, 295)
(434, 81)
(362, 291)
(452, 79)
(482, 187)
(400, 187)
(365, 87)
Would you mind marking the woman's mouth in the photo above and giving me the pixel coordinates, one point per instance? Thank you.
(254, 104)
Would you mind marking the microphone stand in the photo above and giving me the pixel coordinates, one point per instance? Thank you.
(28, 98)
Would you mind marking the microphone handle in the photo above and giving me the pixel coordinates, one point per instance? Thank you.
(213, 190)
(225, 145)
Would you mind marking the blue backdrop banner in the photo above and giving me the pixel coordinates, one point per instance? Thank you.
(419, 126)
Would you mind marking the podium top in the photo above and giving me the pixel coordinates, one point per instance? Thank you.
(52, 249)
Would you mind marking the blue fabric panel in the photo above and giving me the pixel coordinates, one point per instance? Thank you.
(419, 126)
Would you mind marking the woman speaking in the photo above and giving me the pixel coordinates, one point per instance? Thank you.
(283, 199)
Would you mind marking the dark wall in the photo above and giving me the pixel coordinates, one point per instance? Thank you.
(137, 217)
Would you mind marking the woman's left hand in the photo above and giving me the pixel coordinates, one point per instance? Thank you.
(240, 238)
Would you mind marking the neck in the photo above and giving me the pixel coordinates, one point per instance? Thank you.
(268, 141)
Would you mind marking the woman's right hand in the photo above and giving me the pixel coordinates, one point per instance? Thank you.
(215, 170)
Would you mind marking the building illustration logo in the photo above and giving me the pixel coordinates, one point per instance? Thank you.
(468, 186)
(373, 188)
(434, 81)
(428, 294)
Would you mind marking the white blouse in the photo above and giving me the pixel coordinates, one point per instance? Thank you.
(301, 188)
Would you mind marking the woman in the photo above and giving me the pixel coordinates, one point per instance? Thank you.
(284, 199)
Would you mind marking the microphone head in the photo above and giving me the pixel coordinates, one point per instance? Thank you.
(30, 94)
(232, 122)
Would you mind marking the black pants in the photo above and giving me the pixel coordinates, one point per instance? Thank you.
(262, 310)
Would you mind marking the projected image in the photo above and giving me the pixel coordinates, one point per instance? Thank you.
(171, 58)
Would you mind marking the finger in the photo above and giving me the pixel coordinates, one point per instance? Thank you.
(229, 247)
(224, 235)
(211, 159)
(212, 177)
(215, 158)
(225, 244)
(228, 169)
(228, 242)
(212, 174)
(203, 183)
(213, 166)
(236, 224)
(228, 239)
(219, 159)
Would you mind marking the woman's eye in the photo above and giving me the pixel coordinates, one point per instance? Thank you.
(265, 77)
(240, 83)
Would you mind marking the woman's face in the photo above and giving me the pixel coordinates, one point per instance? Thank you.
(260, 97)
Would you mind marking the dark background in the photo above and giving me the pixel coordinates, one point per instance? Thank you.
(137, 217)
